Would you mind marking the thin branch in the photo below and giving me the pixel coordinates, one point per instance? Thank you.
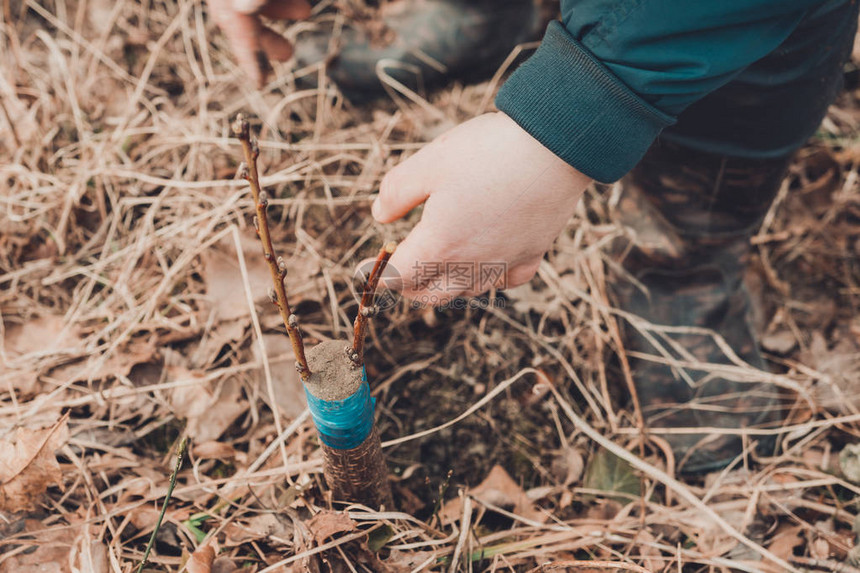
(366, 310)
(277, 266)
(179, 454)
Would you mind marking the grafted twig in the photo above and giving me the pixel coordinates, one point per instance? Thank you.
(277, 265)
(365, 307)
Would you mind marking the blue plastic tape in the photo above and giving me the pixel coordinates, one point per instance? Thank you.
(344, 424)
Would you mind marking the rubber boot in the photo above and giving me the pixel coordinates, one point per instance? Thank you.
(420, 43)
(691, 216)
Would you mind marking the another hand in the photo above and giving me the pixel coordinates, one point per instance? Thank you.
(253, 43)
(495, 198)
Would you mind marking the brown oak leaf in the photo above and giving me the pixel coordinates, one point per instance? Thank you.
(327, 523)
(28, 465)
(201, 560)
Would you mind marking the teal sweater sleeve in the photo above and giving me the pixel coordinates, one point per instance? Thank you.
(614, 73)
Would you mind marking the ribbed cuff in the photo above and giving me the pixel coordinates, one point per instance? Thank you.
(581, 112)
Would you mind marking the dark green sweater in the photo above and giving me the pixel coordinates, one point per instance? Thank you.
(614, 73)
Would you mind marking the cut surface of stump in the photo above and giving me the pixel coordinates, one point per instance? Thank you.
(333, 374)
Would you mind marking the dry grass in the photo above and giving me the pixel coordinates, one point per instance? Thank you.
(132, 298)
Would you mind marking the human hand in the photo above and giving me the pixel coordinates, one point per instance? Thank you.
(495, 198)
(253, 43)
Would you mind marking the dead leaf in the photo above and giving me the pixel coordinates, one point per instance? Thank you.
(201, 560)
(370, 559)
(23, 382)
(49, 550)
(287, 384)
(45, 334)
(224, 565)
(28, 465)
(328, 523)
(223, 277)
(208, 411)
(786, 538)
(410, 560)
(98, 367)
(93, 557)
(212, 344)
(43, 337)
(604, 510)
(215, 451)
(144, 518)
(568, 465)
(497, 489)
(225, 285)
(262, 526)
(840, 364)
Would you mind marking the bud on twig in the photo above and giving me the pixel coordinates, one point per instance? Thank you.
(277, 266)
(242, 172)
(241, 127)
(366, 310)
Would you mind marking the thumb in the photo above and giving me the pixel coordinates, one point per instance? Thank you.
(403, 188)
(274, 9)
(244, 33)
(417, 264)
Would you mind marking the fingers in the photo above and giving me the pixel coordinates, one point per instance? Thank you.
(285, 9)
(428, 279)
(521, 274)
(243, 33)
(249, 7)
(253, 44)
(419, 261)
(277, 47)
(274, 9)
(403, 189)
(421, 272)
